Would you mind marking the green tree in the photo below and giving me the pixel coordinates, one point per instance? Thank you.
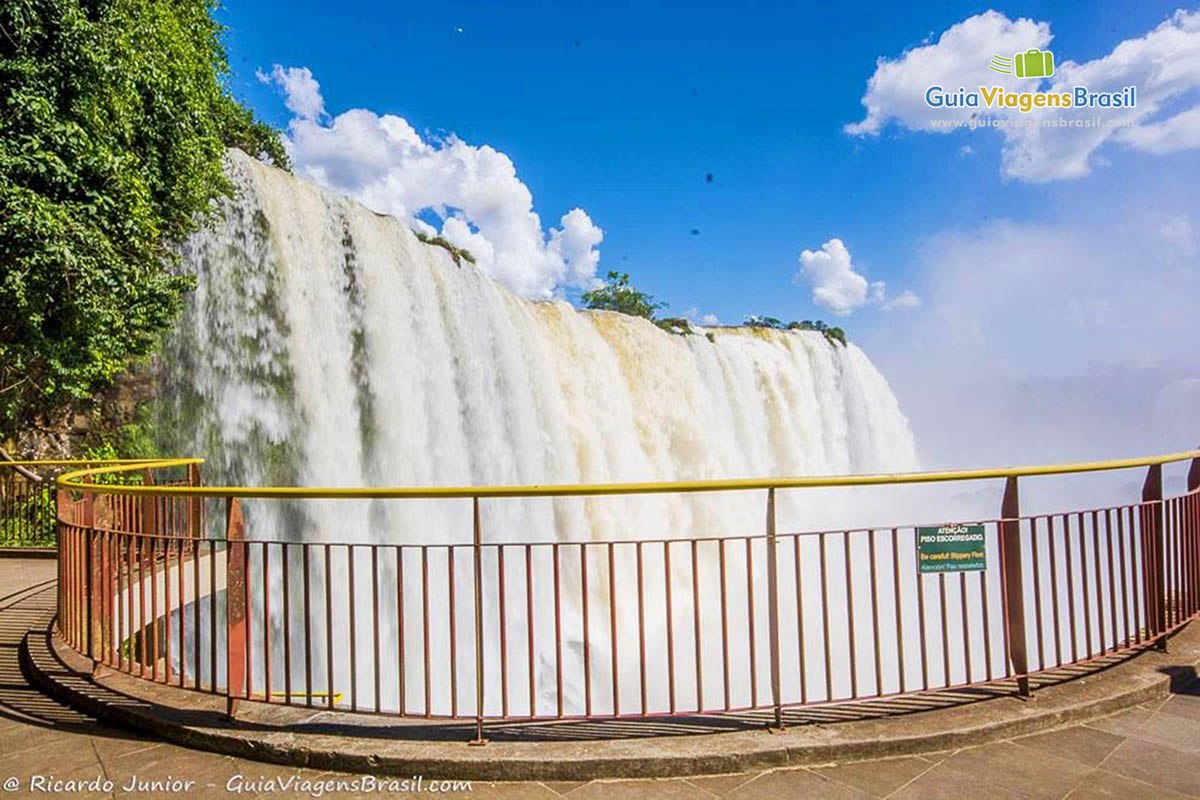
(618, 294)
(114, 117)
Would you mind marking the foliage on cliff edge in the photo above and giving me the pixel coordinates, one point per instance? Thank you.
(114, 118)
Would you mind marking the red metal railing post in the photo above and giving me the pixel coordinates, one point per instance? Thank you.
(195, 505)
(1153, 591)
(772, 607)
(94, 576)
(477, 550)
(1014, 587)
(235, 605)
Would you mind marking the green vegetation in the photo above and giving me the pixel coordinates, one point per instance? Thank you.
(459, 254)
(618, 294)
(831, 333)
(29, 522)
(114, 118)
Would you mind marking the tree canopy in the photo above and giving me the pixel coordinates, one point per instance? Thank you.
(114, 118)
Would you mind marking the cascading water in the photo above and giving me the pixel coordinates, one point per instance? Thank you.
(326, 345)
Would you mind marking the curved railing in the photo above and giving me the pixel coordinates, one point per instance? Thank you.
(153, 583)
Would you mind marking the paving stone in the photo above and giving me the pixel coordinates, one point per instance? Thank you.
(944, 783)
(563, 787)
(1009, 765)
(795, 784)
(1105, 785)
(1123, 723)
(665, 789)
(505, 791)
(1085, 745)
(876, 778)
(1173, 731)
(721, 785)
(1183, 705)
(1157, 765)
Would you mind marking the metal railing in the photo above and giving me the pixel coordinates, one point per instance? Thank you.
(491, 629)
(27, 496)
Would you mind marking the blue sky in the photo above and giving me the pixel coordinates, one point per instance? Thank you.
(623, 110)
(628, 122)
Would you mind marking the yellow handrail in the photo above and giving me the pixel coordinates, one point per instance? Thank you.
(72, 480)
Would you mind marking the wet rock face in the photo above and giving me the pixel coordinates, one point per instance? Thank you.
(86, 422)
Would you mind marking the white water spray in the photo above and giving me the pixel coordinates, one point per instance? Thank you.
(326, 345)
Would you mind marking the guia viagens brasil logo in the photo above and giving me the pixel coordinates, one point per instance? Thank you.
(1032, 63)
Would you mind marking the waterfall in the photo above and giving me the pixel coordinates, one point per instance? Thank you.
(325, 345)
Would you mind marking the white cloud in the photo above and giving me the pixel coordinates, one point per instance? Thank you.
(1048, 341)
(302, 91)
(837, 287)
(906, 299)
(481, 204)
(1164, 65)
(896, 92)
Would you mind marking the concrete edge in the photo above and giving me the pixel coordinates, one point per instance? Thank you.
(28, 552)
(1142, 678)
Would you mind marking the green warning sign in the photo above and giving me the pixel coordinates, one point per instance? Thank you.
(951, 548)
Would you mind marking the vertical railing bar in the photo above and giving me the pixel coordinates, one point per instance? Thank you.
(425, 627)
(308, 643)
(696, 627)
(612, 627)
(587, 632)
(945, 629)
(800, 618)
(529, 626)
(1036, 557)
(1112, 579)
(558, 669)
(825, 620)
(897, 596)
(329, 690)
(502, 596)
(773, 607)
(451, 591)
(853, 642)
(401, 661)
(352, 603)
(921, 620)
(966, 625)
(641, 627)
(1084, 585)
(751, 636)
(477, 549)
(987, 628)
(167, 609)
(1070, 569)
(670, 620)
(1121, 561)
(724, 622)
(266, 582)
(1053, 549)
(875, 616)
(212, 613)
(287, 623)
(1099, 581)
(375, 625)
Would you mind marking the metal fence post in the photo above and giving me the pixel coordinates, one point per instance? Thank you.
(477, 550)
(1192, 529)
(1014, 585)
(195, 507)
(773, 607)
(235, 605)
(1153, 592)
(93, 575)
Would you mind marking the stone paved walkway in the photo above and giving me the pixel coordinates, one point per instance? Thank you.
(1151, 751)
